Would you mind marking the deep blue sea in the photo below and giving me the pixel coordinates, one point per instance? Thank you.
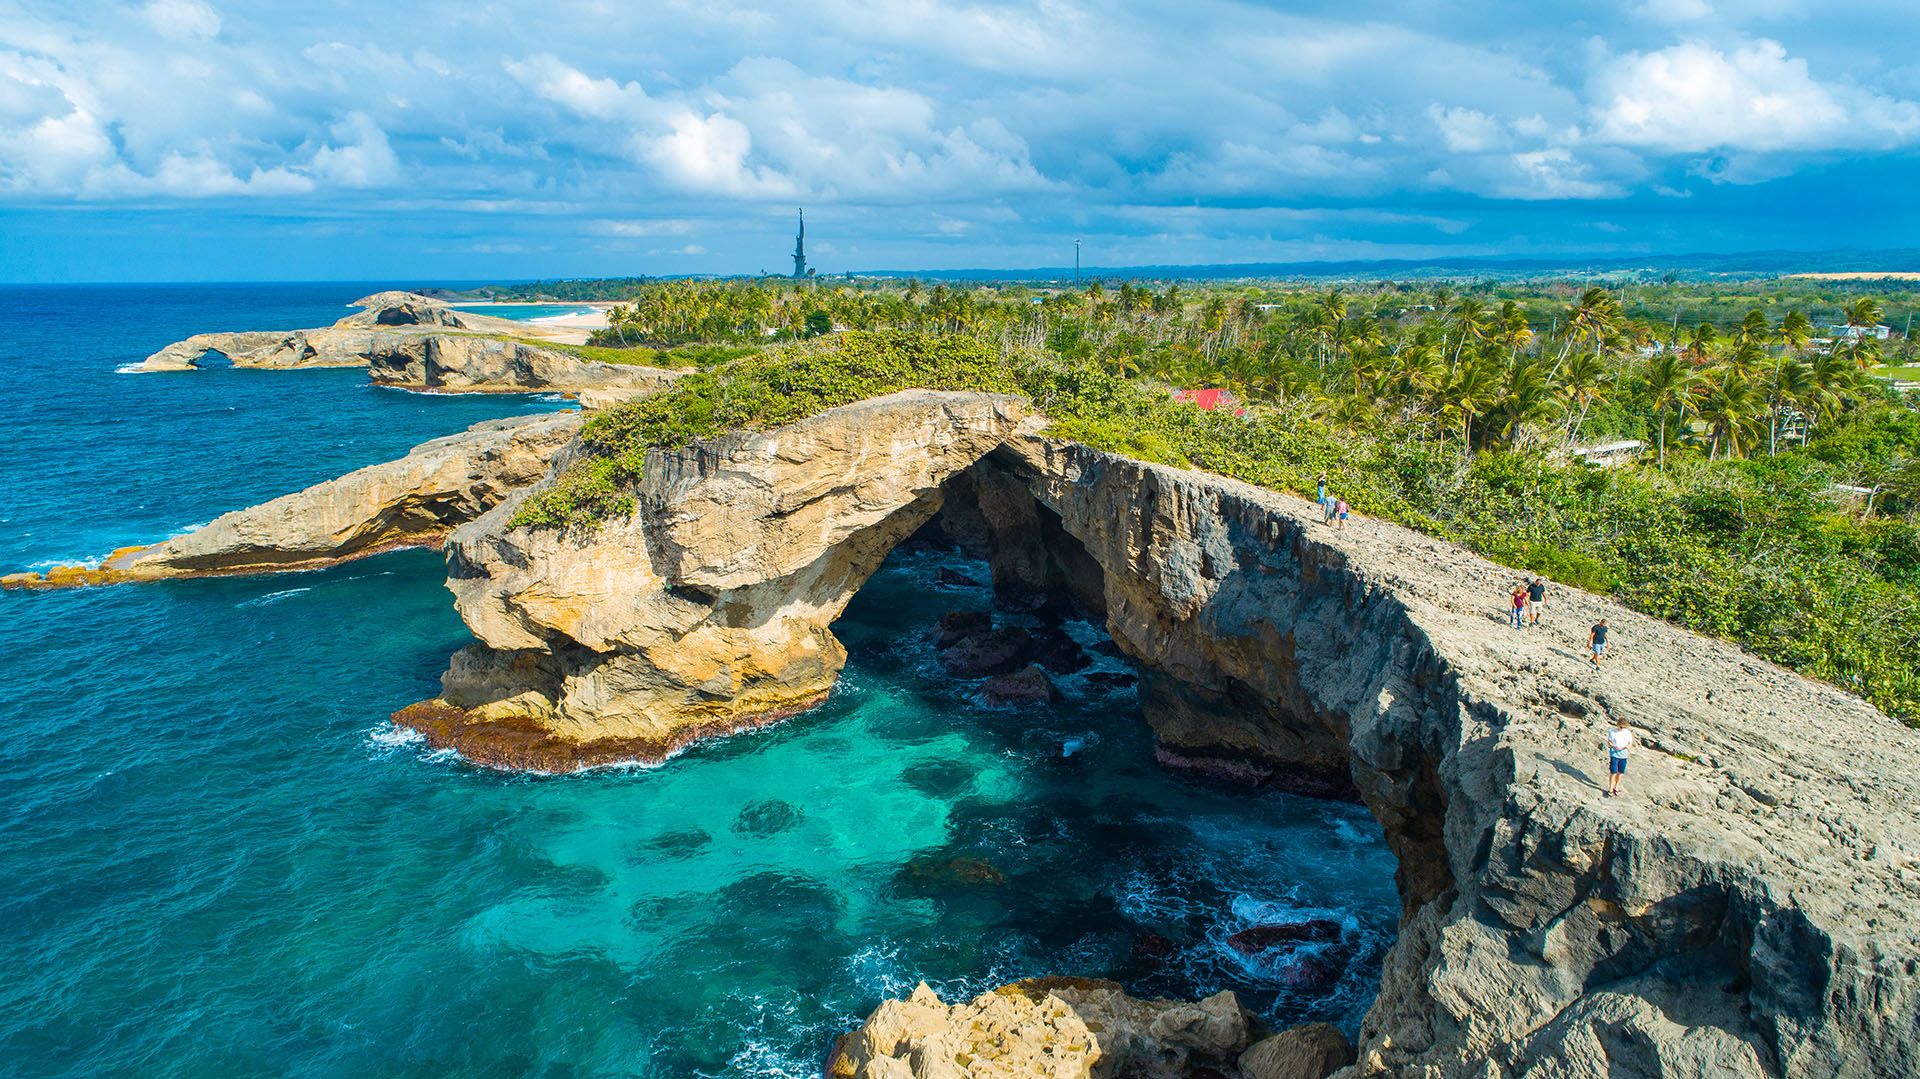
(220, 859)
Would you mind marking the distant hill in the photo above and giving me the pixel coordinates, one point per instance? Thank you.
(1756, 263)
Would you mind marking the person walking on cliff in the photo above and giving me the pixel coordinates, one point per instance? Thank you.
(1520, 605)
(1340, 511)
(1536, 599)
(1597, 640)
(1619, 740)
(1321, 497)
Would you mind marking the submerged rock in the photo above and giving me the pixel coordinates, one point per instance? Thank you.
(987, 652)
(932, 872)
(952, 578)
(1059, 653)
(770, 817)
(1026, 686)
(1259, 938)
(955, 626)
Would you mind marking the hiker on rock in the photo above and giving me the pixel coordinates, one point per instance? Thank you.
(1340, 511)
(1519, 605)
(1326, 510)
(1597, 640)
(1536, 599)
(1619, 740)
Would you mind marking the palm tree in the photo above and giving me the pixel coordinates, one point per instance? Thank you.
(1470, 323)
(1863, 313)
(1669, 384)
(1795, 331)
(1585, 380)
(1524, 397)
(1730, 410)
(1597, 315)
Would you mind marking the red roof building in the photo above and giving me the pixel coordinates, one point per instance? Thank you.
(1210, 400)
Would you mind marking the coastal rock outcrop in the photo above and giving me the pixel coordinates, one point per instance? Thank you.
(1045, 1028)
(1750, 908)
(412, 342)
(481, 364)
(708, 608)
(411, 502)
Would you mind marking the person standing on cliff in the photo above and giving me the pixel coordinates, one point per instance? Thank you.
(1597, 640)
(1340, 511)
(1520, 605)
(1619, 740)
(1326, 512)
(1536, 599)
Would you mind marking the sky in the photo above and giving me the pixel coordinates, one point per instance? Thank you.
(488, 140)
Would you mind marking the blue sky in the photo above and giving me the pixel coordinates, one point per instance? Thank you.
(207, 140)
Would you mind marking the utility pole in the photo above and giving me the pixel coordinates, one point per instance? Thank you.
(1076, 262)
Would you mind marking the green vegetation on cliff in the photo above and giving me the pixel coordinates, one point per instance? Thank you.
(1742, 532)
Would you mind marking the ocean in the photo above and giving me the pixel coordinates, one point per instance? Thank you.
(220, 858)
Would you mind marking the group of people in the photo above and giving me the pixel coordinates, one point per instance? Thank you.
(1333, 510)
(1529, 600)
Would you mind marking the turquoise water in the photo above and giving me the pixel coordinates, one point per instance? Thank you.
(220, 857)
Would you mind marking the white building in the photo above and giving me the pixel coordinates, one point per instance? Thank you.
(1849, 333)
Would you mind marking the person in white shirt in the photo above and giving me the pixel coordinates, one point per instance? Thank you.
(1619, 740)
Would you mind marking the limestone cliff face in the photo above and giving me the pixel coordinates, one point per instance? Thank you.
(411, 502)
(1749, 909)
(349, 347)
(708, 608)
(1752, 907)
(467, 363)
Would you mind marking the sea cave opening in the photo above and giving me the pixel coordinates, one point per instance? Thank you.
(1065, 840)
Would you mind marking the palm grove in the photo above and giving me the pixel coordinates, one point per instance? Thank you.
(1775, 505)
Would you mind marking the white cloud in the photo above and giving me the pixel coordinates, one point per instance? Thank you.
(662, 227)
(1694, 98)
(572, 89)
(364, 157)
(1467, 130)
(708, 155)
(1554, 174)
(182, 18)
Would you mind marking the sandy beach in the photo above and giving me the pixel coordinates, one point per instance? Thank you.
(566, 329)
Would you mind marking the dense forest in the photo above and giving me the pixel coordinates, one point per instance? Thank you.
(1774, 500)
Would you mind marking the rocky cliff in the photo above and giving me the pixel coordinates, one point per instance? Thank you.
(1748, 909)
(480, 364)
(411, 502)
(708, 609)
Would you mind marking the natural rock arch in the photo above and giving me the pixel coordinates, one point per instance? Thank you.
(1750, 909)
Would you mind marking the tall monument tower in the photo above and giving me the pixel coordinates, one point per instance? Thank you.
(800, 248)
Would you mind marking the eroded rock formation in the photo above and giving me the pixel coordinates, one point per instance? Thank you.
(411, 502)
(413, 342)
(707, 609)
(490, 364)
(1044, 1028)
(1748, 909)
